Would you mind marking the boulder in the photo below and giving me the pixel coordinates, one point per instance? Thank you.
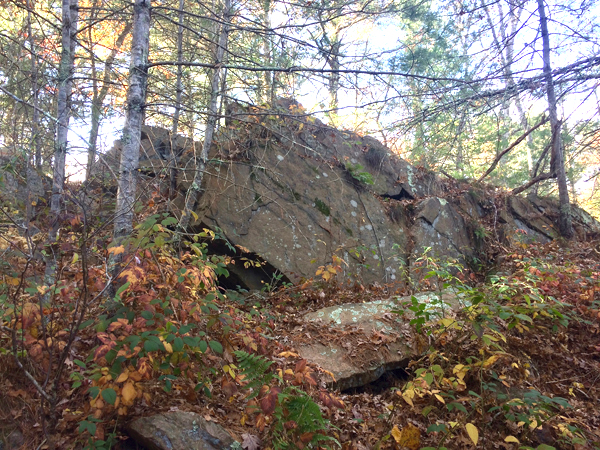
(359, 342)
(286, 190)
(179, 431)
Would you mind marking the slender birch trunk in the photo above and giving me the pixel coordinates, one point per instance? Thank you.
(36, 143)
(178, 98)
(34, 159)
(557, 159)
(70, 9)
(136, 99)
(211, 122)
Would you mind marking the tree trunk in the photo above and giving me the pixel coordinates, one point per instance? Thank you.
(35, 154)
(268, 91)
(70, 10)
(215, 86)
(178, 97)
(557, 159)
(37, 145)
(136, 98)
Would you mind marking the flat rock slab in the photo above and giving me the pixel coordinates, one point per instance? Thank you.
(366, 339)
(179, 431)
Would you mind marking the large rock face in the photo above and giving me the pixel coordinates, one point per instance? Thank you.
(296, 192)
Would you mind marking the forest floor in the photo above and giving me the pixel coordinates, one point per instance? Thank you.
(517, 368)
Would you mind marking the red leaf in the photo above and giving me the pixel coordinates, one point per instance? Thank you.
(300, 366)
(269, 402)
(229, 388)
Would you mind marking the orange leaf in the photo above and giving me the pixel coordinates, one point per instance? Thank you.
(128, 393)
(116, 250)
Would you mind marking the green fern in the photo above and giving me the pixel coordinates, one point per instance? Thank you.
(255, 369)
(296, 406)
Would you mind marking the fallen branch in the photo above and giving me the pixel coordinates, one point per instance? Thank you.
(510, 147)
(534, 180)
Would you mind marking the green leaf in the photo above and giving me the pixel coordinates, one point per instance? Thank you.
(436, 428)
(109, 395)
(94, 391)
(203, 346)
(147, 315)
(90, 427)
(177, 344)
(216, 347)
(186, 328)
(458, 406)
(526, 319)
(121, 290)
(191, 341)
(169, 221)
(133, 340)
(151, 346)
(428, 378)
(86, 324)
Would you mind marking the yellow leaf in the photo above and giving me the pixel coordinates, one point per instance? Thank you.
(491, 360)
(408, 395)
(168, 347)
(42, 289)
(288, 355)
(473, 432)
(329, 373)
(511, 439)
(446, 322)
(116, 250)
(12, 281)
(396, 434)
(409, 437)
(194, 215)
(123, 377)
(75, 258)
(128, 393)
(440, 398)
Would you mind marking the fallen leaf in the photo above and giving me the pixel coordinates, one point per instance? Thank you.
(409, 437)
(128, 393)
(116, 250)
(473, 432)
(250, 441)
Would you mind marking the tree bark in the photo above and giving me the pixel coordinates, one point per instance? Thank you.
(37, 145)
(136, 98)
(178, 99)
(34, 159)
(557, 164)
(70, 10)
(211, 122)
